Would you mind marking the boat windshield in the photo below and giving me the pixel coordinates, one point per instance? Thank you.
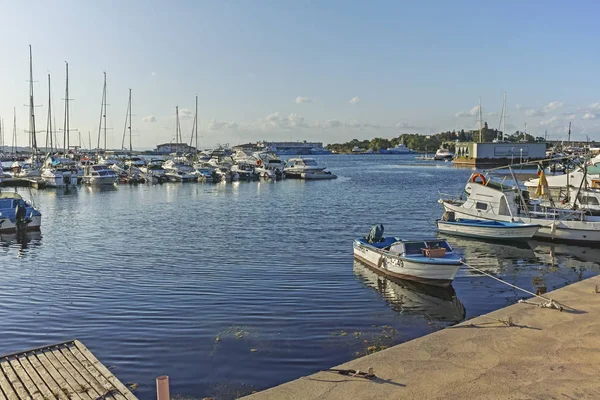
(310, 162)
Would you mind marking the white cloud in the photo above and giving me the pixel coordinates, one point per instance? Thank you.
(215, 125)
(595, 106)
(569, 116)
(251, 75)
(300, 100)
(149, 119)
(471, 113)
(550, 121)
(534, 113)
(153, 73)
(278, 121)
(333, 123)
(553, 106)
(589, 116)
(405, 125)
(185, 113)
(518, 106)
(354, 100)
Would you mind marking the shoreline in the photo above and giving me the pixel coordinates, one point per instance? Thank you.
(519, 351)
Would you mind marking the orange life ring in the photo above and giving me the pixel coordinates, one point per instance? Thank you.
(478, 175)
(259, 162)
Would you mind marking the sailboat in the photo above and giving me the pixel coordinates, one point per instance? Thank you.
(57, 171)
(29, 168)
(100, 174)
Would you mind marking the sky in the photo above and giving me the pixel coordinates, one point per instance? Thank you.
(326, 71)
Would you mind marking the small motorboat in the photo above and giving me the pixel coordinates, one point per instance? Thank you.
(429, 261)
(485, 229)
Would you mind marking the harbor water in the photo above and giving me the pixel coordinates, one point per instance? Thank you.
(237, 287)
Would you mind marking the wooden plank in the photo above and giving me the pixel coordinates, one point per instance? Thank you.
(37, 380)
(2, 396)
(25, 379)
(6, 388)
(108, 387)
(61, 380)
(68, 372)
(52, 383)
(104, 371)
(85, 374)
(14, 380)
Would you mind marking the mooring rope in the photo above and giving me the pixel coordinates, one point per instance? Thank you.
(549, 303)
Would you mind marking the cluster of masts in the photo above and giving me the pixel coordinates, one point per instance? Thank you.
(52, 144)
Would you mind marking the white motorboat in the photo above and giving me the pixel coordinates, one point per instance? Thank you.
(558, 183)
(18, 214)
(59, 172)
(429, 261)
(179, 172)
(443, 154)
(135, 161)
(485, 229)
(306, 168)
(269, 165)
(99, 175)
(154, 171)
(494, 201)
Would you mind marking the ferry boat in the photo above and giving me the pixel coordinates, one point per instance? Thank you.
(429, 261)
(16, 213)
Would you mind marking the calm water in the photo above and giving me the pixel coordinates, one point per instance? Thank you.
(231, 288)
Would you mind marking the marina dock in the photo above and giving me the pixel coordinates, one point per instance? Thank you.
(62, 371)
(519, 352)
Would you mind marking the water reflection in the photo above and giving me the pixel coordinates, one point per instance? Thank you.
(20, 240)
(433, 303)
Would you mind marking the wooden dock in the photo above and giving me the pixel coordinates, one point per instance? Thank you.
(36, 183)
(60, 371)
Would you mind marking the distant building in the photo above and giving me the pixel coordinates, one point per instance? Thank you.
(497, 154)
(284, 148)
(167, 148)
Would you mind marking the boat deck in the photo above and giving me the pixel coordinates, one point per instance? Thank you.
(61, 371)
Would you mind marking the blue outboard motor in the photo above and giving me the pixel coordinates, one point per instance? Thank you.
(376, 234)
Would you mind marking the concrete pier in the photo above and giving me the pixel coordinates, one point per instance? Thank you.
(543, 354)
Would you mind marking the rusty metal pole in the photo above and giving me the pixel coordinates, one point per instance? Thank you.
(162, 388)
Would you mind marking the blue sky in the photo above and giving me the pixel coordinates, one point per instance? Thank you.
(315, 70)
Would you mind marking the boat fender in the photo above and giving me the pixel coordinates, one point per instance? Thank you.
(478, 175)
(259, 162)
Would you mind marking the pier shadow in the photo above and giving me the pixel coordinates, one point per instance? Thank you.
(356, 379)
(493, 324)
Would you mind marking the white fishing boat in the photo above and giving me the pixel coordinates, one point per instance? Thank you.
(269, 165)
(429, 261)
(306, 168)
(494, 201)
(484, 229)
(18, 214)
(99, 175)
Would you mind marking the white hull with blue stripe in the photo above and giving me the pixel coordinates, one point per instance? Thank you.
(405, 259)
(496, 230)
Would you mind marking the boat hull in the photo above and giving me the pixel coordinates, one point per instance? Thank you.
(437, 274)
(584, 232)
(100, 180)
(488, 232)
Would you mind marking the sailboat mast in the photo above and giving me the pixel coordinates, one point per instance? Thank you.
(504, 118)
(177, 129)
(90, 139)
(480, 121)
(14, 138)
(49, 124)
(66, 127)
(130, 142)
(31, 105)
(569, 134)
(102, 115)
